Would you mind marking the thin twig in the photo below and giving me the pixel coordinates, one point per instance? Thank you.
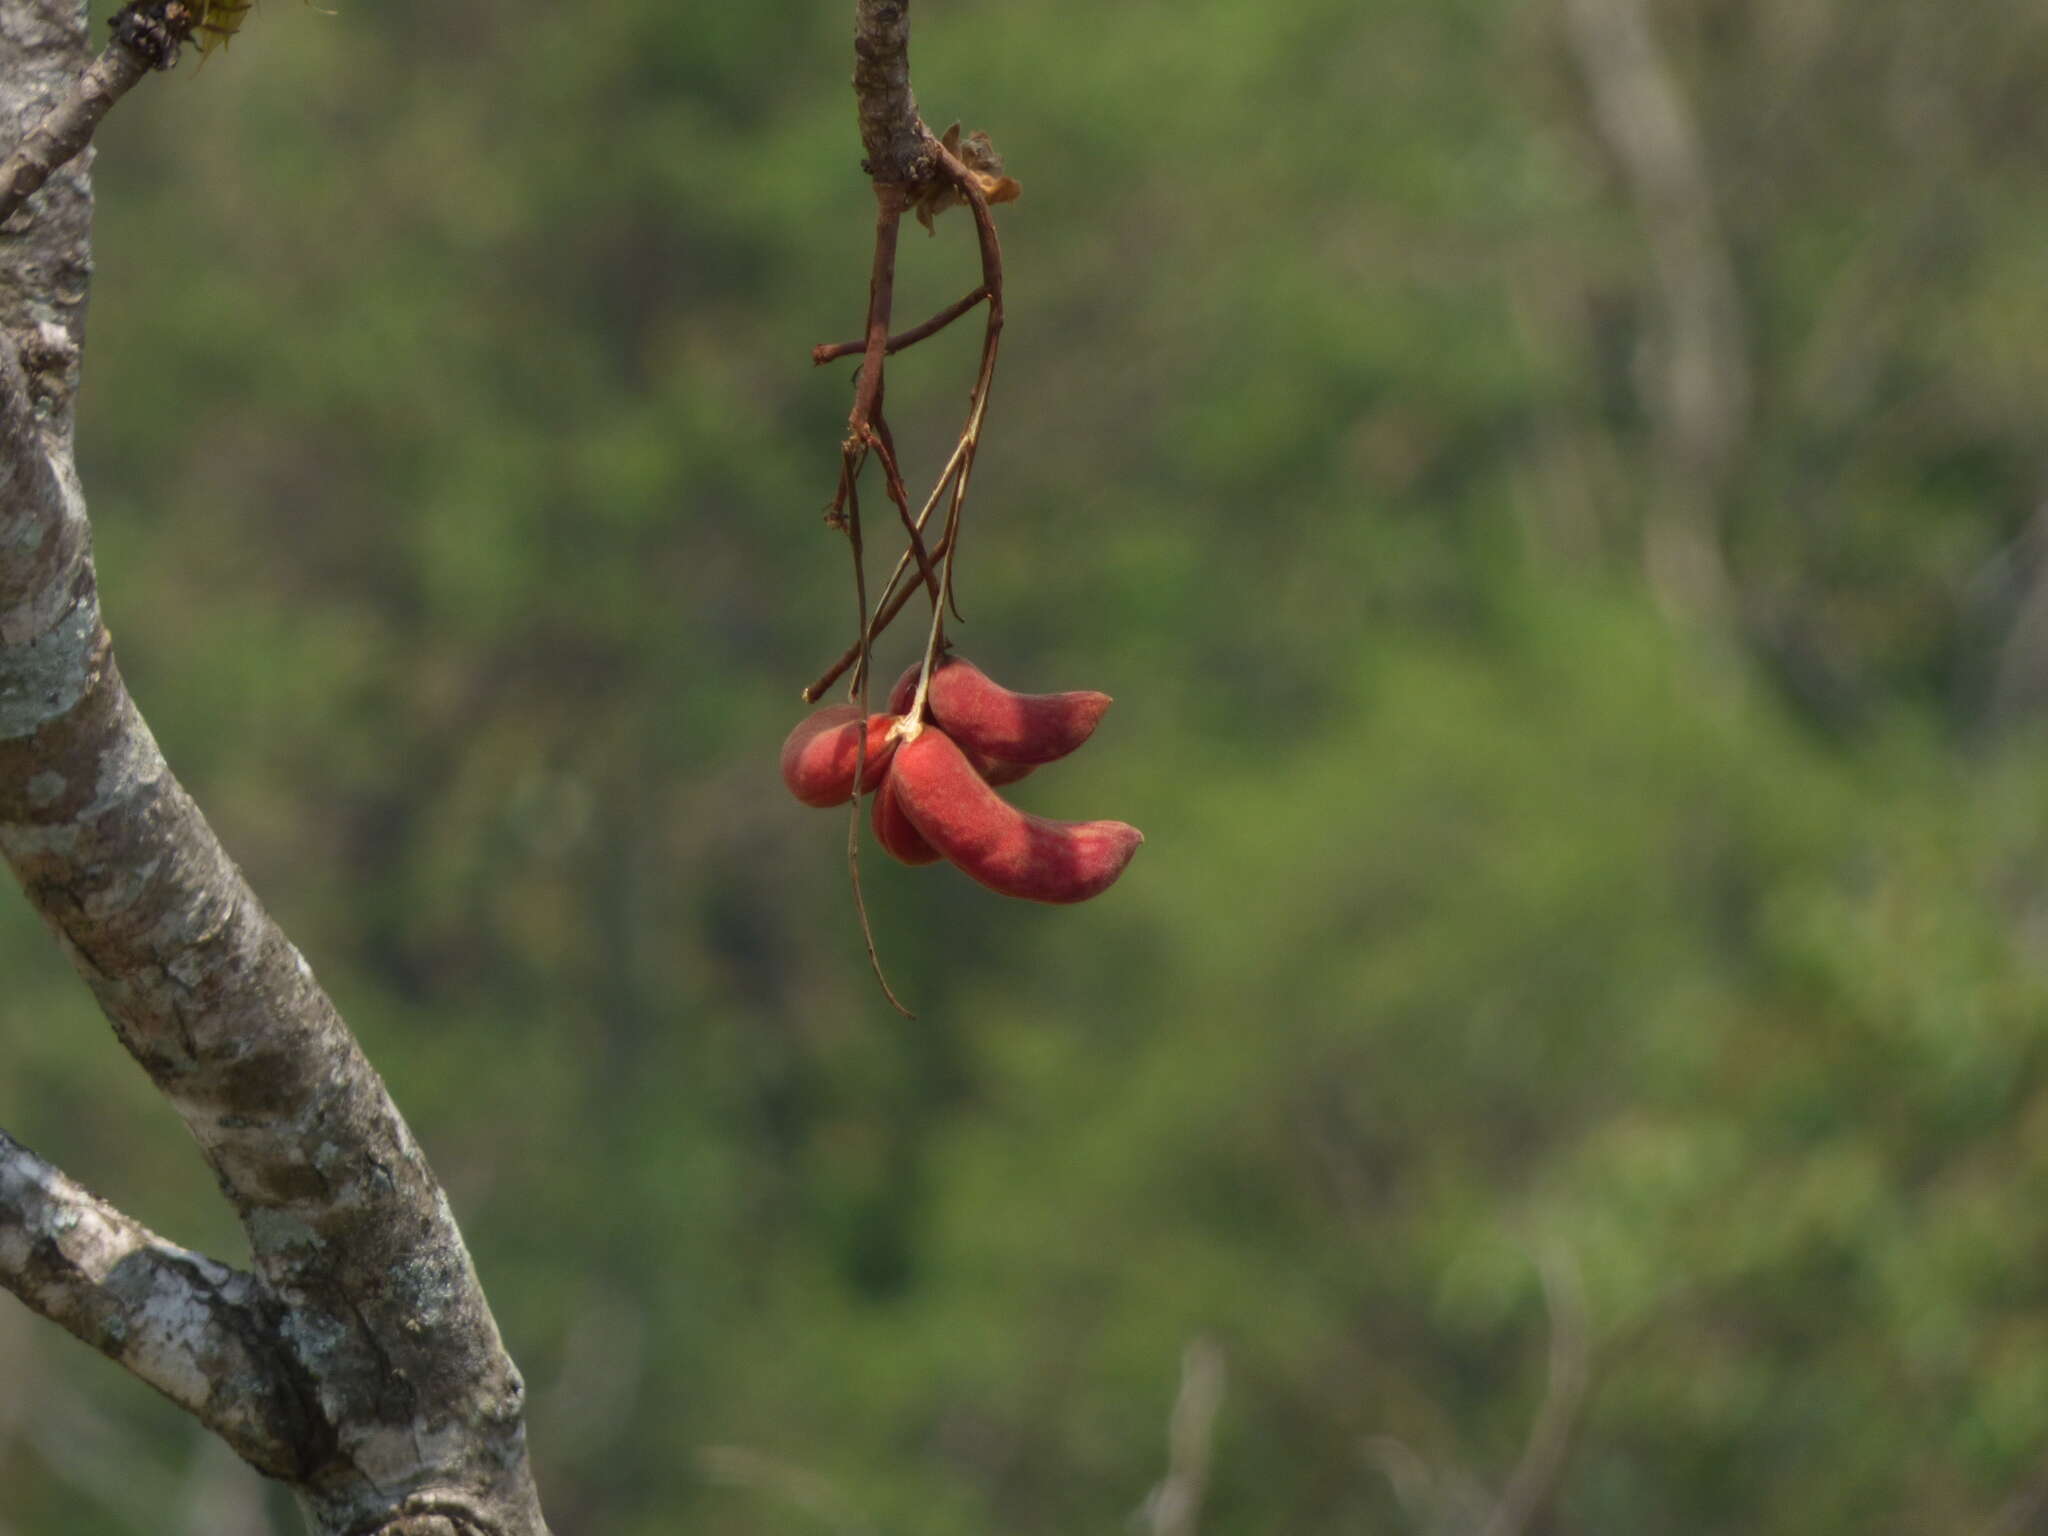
(885, 450)
(913, 718)
(992, 279)
(893, 604)
(984, 227)
(867, 407)
(867, 396)
(146, 37)
(1535, 1479)
(903, 154)
(1703, 395)
(831, 352)
(860, 755)
(1175, 1505)
(894, 595)
(977, 412)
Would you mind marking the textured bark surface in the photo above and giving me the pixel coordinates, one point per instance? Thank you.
(895, 141)
(200, 1333)
(67, 130)
(366, 1366)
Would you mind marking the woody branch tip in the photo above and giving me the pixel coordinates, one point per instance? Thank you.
(147, 36)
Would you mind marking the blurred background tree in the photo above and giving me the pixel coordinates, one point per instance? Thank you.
(1556, 491)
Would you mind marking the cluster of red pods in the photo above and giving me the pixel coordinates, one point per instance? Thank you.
(934, 781)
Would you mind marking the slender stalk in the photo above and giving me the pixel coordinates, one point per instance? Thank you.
(894, 595)
(889, 206)
(885, 450)
(864, 428)
(977, 412)
(959, 465)
(831, 352)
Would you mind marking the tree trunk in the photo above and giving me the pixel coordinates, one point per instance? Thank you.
(358, 1361)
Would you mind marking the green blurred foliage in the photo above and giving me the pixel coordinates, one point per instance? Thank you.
(457, 468)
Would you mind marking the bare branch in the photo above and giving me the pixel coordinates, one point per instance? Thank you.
(146, 37)
(413, 1408)
(346, 1223)
(897, 143)
(867, 395)
(960, 463)
(1535, 1479)
(885, 450)
(195, 1330)
(1174, 1508)
(1650, 131)
(894, 599)
(832, 351)
(1702, 402)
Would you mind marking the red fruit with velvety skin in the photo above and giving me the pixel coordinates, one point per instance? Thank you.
(993, 769)
(983, 716)
(819, 757)
(1004, 734)
(893, 830)
(1007, 850)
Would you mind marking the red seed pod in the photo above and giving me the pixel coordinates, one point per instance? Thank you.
(906, 688)
(990, 840)
(983, 716)
(893, 830)
(996, 771)
(1004, 734)
(819, 756)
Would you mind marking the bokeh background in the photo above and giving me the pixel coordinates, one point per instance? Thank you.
(1557, 492)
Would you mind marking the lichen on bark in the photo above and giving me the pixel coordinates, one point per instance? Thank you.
(358, 1360)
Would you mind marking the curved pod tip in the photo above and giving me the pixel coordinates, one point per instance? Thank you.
(1004, 734)
(983, 716)
(1010, 851)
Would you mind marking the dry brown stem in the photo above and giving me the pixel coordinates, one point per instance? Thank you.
(959, 465)
(826, 353)
(910, 169)
(885, 451)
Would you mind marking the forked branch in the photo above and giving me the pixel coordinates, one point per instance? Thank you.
(197, 1331)
(358, 1359)
(936, 162)
(147, 36)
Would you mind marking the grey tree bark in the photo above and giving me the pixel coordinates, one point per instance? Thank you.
(1701, 397)
(358, 1361)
